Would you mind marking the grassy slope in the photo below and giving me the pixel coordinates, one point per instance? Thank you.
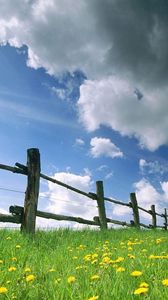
(54, 256)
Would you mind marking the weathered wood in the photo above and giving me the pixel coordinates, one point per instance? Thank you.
(10, 219)
(145, 210)
(117, 202)
(12, 169)
(100, 203)
(122, 223)
(19, 209)
(165, 217)
(135, 210)
(32, 192)
(144, 225)
(153, 212)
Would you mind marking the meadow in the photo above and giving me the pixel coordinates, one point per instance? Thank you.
(84, 265)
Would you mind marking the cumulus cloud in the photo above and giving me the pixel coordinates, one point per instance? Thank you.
(104, 147)
(65, 202)
(127, 39)
(120, 110)
(79, 142)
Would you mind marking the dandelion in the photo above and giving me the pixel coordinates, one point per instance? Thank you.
(136, 273)
(18, 246)
(93, 298)
(165, 282)
(27, 270)
(141, 290)
(51, 270)
(8, 238)
(71, 279)
(120, 269)
(143, 284)
(1, 261)
(14, 259)
(3, 290)
(94, 277)
(30, 278)
(11, 269)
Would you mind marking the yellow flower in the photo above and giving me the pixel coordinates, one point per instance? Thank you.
(18, 246)
(51, 270)
(57, 280)
(1, 261)
(131, 256)
(11, 269)
(14, 259)
(71, 279)
(165, 282)
(8, 238)
(30, 278)
(3, 290)
(143, 284)
(136, 273)
(119, 259)
(27, 270)
(141, 290)
(120, 269)
(93, 298)
(94, 277)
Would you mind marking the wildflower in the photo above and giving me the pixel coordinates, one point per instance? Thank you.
(8, 238)
(119, 259)
(27, 270)
(93, 298)
(3, 290)
(1, 261)
(120, 269)
(57, 280)
(74, 257)
(136, 273)
(30, 278)
(14, 259)
(71, 279)
(51, 270)
(94, 277)
(143, 284)
(131, 256)
(11, 269)
(18, 246)
(165, 282)
(141, 290)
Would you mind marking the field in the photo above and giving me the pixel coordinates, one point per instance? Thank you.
(84, 265)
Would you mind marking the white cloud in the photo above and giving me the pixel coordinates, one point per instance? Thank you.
(109, 175)
(79, 142)
(65, 202)
(112, 102)
(104, 147)
(153, 167)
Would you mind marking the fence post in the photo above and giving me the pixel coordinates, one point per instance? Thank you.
(153, 213)
(32, 191)
(100, 203)
(134, 205)
(165, 216)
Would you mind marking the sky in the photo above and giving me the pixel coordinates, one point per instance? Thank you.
(85, 82)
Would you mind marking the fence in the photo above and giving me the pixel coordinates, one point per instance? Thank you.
(26, 216)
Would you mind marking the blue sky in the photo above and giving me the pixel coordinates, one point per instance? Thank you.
(68, 85)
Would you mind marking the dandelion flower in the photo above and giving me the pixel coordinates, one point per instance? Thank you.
(3, 290)
(120, 269)
(165, 282)
(30, 278)
(93, 298)
(1, 261)
(136, 273)
(94, 277)
(8, 238)
(143, 284)
(11, 269)
(51, 270)
(14, 259)
(71, 279)
(18, 246)
(27, 270)
(141, 290)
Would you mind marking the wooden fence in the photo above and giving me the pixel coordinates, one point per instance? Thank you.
(26, 216)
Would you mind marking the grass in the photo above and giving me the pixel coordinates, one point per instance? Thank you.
(82, 265)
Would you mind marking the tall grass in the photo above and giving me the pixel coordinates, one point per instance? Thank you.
(66, 264)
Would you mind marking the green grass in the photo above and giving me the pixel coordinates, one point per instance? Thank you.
(52, 257)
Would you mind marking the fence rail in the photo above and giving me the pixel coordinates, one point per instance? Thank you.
(26, 215)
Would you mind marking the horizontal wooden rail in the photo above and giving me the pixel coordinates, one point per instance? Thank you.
(145, 210)
(145, 226)
(12, 169)
(10, 219)
(117, 202)
(19, 209)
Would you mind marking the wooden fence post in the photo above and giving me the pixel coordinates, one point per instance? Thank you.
(165, 216)
(101, 206)
(134, 205)
(32, 191)
(153, 213)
